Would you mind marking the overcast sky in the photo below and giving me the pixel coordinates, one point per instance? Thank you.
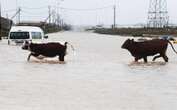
(128, 11)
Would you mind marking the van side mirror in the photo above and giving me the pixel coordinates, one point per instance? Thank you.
(46, 37)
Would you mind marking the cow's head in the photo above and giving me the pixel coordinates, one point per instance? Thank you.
(26, 45)
(127, 43)
(65, 44)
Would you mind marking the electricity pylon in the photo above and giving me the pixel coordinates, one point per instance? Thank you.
(158, 14)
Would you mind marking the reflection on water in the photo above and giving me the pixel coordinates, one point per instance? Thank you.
(157, 63)
(47, 61)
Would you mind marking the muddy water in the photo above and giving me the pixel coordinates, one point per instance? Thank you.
(99, 75)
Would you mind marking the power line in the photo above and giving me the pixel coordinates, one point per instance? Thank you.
(35, 8)
(33, 13)
(74, 9)
(29, 12)
(89, 9)
(10, 10)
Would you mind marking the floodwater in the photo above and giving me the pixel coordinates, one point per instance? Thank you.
(98, 75)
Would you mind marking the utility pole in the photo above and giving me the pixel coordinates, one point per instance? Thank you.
(114, 24)
(16, 11)
(57, 12)
(7, 16)
(19, 15)
(49, 14)
(53, 16)
(0, 23)
(114, 18)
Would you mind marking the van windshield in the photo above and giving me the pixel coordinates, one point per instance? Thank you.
(36, 35)
(19, 35)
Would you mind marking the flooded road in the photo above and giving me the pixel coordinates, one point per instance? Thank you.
(99, 75)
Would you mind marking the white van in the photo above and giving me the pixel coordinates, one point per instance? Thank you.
(19, 34)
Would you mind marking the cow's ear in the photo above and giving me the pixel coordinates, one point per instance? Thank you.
(128, 40)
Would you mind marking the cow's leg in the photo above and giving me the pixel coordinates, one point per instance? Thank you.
(136, 59)
(29, 56)
(156, 57)
(61, 57)
(145, 59)
(165, 58)
(32, 54)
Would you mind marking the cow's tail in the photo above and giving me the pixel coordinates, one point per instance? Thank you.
(67, 43)
(172, 46)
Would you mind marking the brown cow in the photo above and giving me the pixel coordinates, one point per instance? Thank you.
(46, 50)
(147, 48)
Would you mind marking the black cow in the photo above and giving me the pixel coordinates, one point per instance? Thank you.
(147, 48)
(46, 50)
